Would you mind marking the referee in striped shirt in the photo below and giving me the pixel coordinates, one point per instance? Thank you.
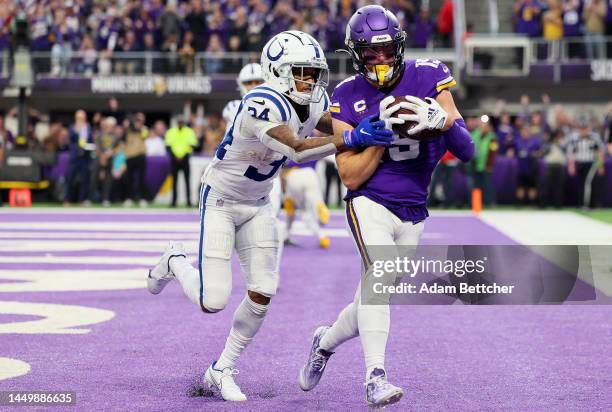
(586, 159)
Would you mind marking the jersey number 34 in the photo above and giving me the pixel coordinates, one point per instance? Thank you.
(261, 116)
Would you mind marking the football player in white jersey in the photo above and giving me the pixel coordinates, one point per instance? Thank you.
(250, 76)
(302, 192)
(271, 126)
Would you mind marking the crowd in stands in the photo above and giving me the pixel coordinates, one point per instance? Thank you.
(96, 30)
(588, 20)
(108, 150)
(108, 153)
(550, 145)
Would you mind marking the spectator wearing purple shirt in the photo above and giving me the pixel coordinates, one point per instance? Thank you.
(538, 125)
(230, 7)
(527, 18)
(257, 35)
(422, 29)
(527, 150)
(108, 31)
(505, 132)
(324, 31)
(572, 27)
(156, 9)
(142, 25)
(519, 123)
(39, 30)
(218, 24)
(280, 19)
(4, 30)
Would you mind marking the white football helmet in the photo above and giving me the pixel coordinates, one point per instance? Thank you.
(250, 72)
(290, 50)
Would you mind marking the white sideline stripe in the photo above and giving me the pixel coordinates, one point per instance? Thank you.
(561, 228)
(97, 210)
(169, 211)
(300, 229)
(104, 211)
(549, 227)
(84, 245)
(450, 213)
(114, 226)
(135, 237)
(105, 260)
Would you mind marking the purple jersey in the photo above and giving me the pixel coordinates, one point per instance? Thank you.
(401, 180)
(526, 149)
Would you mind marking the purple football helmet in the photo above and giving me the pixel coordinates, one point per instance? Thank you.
(375, 42)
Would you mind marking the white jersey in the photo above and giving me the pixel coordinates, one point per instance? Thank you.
(302, 186)
(229, 112)
(243, 167)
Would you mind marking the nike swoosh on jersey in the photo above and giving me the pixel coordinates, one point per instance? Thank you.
(258, 101)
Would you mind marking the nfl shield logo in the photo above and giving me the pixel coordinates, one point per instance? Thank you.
(219, 202)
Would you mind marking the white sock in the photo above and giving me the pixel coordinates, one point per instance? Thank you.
(188, 276)
(343, 329)
(374, 322)
(247, 320)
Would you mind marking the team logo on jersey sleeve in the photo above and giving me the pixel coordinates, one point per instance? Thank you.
(335, 107)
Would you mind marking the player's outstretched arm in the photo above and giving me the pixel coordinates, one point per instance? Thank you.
(456, 136)
(355, 167)
(369, 132)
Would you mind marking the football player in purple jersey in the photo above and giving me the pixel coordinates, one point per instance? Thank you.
(387, 186)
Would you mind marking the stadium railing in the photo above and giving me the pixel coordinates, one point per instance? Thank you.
(223, 64)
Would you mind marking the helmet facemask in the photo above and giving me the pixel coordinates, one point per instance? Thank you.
(312, 89)
(380, 63)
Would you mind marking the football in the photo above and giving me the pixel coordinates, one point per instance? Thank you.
(402, 129)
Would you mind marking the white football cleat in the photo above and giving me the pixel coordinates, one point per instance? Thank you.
(379, 392)
(223, 380)
(161, 274)
(311, 372)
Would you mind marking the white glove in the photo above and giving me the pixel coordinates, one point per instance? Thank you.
(387, 112)
(428, 114)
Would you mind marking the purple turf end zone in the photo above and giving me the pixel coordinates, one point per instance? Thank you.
(151, 355)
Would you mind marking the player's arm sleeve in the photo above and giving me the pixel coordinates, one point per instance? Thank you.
(459, 142)
(283, 140)
(269, 122)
